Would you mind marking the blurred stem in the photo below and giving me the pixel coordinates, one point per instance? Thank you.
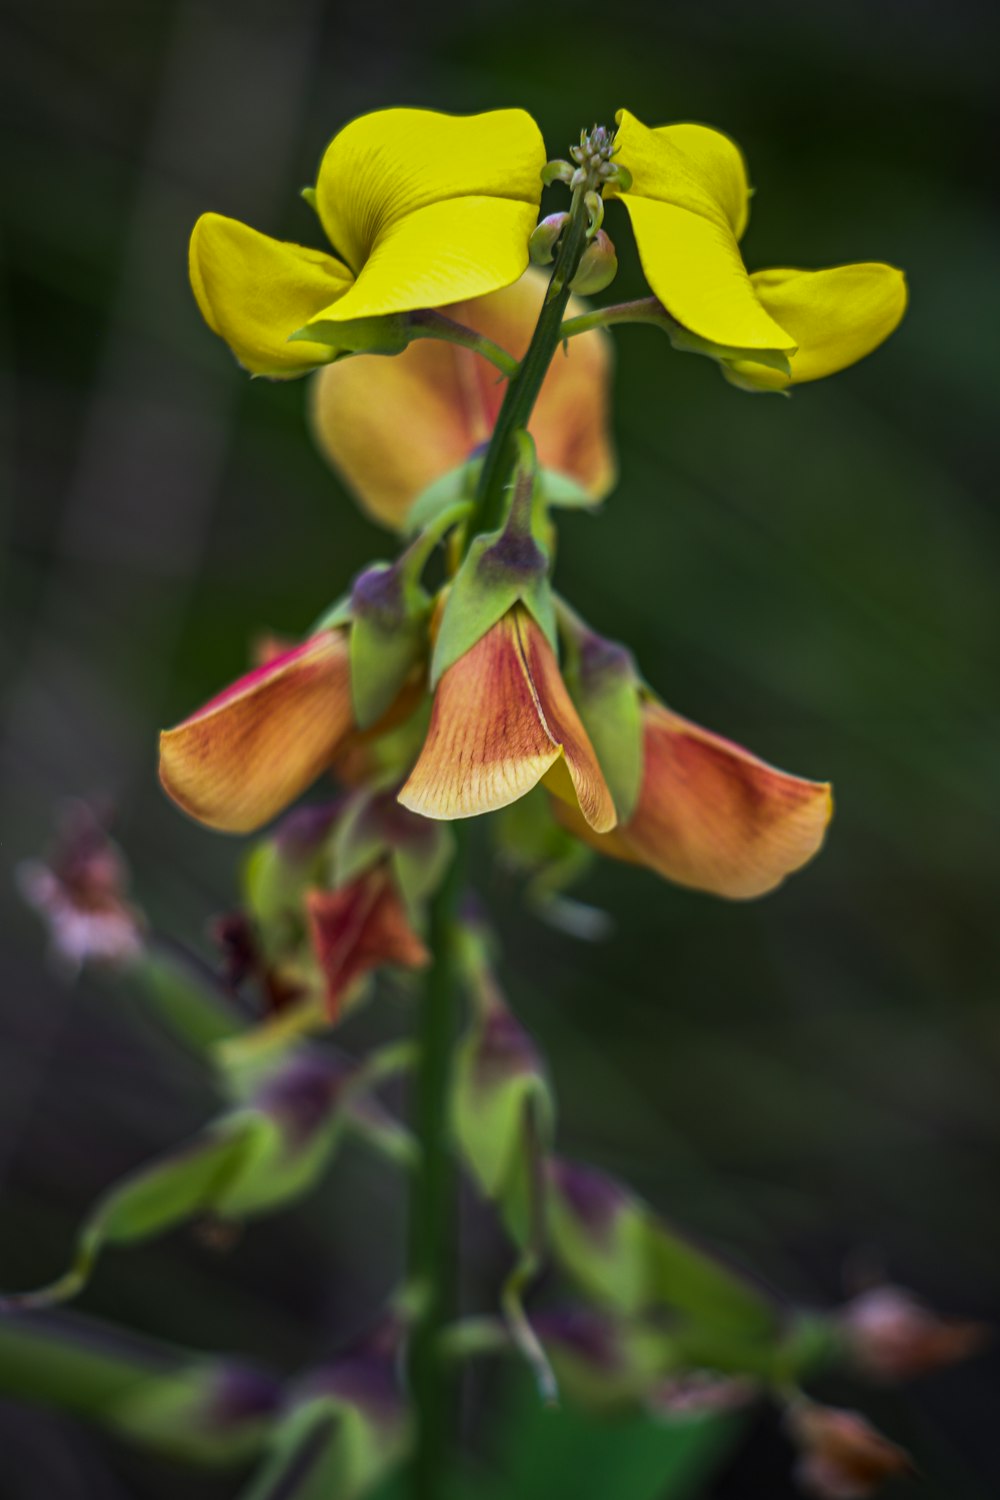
(643, 310)
(523, 387)
(432, 1250)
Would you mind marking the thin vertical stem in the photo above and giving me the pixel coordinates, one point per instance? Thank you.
(432, 1247)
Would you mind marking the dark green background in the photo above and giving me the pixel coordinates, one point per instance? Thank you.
(811, 1081)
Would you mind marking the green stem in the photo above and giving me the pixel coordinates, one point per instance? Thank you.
(523, 387)
(643, 310)
(432, 1250)
(434, 325)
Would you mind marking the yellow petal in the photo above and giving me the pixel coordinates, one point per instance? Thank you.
(249, 752)
(391, 426)
(687, 203)
(836, 317)
(255, 292)
(711, 815)
(688, 165)
(430, 208)
(502, 720)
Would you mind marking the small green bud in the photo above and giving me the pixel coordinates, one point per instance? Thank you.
(545, 237)
(598, 266)
(556, 171)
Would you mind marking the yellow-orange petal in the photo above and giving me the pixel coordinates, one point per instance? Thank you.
(392, 426)
(711, 815)
(502, 721)
(250, 751)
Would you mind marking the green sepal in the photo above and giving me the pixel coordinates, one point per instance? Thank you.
(335, 615)
(170, 1400)
(386, 335)
(347, 1431)
(564, 493)
(308, 195)
(248, 1162)
(501, 568)
(388, 638)
(626, 1259)
(452, 488)
(497, 1077)
(373, 826)
(605, 686)
(686, 342)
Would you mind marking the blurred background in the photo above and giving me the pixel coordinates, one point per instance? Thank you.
(809, 1082)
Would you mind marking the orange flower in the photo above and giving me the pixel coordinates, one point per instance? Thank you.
(710, 815)
(360, 927)
(392, 426)
(503, 721)
(252, 749)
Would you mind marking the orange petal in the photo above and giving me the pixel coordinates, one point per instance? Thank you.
(249, 752)
(502, 720)
(711, 815)
(358, 928)
(392, 426)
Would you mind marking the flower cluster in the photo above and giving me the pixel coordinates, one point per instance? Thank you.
(462, 392)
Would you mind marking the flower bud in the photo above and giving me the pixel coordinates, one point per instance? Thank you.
(843, 1457)
(545, 237)
(894, 1336)
(598, 266)
(80, 892)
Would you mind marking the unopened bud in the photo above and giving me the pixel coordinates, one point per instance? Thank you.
(598, 266)
(894, 1336)
(542, 244)
(843, 1457)
(556, 171)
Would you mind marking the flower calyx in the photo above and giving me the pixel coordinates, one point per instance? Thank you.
(501, 569)
(605, 686)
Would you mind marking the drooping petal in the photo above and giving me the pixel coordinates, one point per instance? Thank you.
(430, 208)
(250, 751)
(711, 815)
(255, 292)
(687, 203)
(502, 721)
(359, 927)
(836, 317)
(392, 426)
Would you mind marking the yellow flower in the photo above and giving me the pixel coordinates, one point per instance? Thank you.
(392, 426)
(688, 201)
(424, 209)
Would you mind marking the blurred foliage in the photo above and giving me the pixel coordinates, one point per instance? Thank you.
(808, 1082)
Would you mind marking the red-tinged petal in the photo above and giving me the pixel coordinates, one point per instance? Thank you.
(502, 721)
(250, 751)
(712, 816)
(392, 426)
(358, 928)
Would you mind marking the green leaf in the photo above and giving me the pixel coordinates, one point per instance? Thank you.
(545, 1453)
(603, 682)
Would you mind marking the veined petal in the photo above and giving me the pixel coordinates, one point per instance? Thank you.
(250, 751)
(836, 317)
(392, 426)
(440, 254)
(713, 816)
(687, 206)
(385, 166)
(502, 721)
(255, 292)
(359, 927)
